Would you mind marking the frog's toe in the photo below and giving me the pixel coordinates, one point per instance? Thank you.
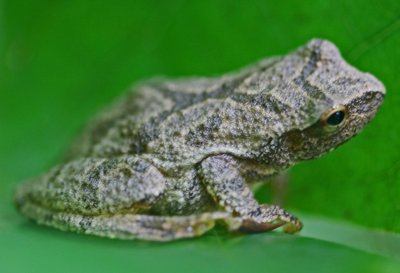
(293, 227)
(249, 226)
(270, 217)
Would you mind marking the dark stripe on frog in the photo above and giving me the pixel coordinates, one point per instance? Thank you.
(311, 66)
(308, 69)
(204, 132)
(274, 105)
(149, 130)
(264, 100)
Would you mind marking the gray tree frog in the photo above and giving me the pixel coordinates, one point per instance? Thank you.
(173, 157)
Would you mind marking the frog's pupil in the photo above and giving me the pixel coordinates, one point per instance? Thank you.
(336, 118)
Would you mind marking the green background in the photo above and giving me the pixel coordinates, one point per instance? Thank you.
(62, 61)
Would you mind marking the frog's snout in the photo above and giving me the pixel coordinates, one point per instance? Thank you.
(375, 100)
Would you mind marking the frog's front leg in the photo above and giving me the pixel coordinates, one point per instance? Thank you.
(222, 178)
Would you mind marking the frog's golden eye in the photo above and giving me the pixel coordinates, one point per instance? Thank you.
(334, 117)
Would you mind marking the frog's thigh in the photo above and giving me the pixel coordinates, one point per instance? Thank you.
(131, 226)
(92, 186)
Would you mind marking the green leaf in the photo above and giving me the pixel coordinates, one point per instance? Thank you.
(61, 61)
(26, 247)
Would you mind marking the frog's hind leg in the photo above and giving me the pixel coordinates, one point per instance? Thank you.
(95, 186)
(107, 197)
(131, 226)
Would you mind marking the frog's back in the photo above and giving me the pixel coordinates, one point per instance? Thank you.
(114, 130)
(138, 121)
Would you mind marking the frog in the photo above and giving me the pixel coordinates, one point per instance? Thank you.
(172, 158)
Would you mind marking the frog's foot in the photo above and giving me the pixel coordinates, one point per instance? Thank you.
(223, 180)
(129, 226)
(266, 218)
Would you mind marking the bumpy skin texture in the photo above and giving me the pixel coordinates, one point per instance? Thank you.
(172, 157)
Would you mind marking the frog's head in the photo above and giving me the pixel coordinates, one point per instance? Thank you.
(341, 100)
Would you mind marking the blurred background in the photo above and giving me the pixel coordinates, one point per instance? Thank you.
(62, 61)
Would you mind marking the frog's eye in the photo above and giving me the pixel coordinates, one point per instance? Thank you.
(334, 117)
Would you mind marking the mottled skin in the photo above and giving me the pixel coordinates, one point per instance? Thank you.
(171, 158)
